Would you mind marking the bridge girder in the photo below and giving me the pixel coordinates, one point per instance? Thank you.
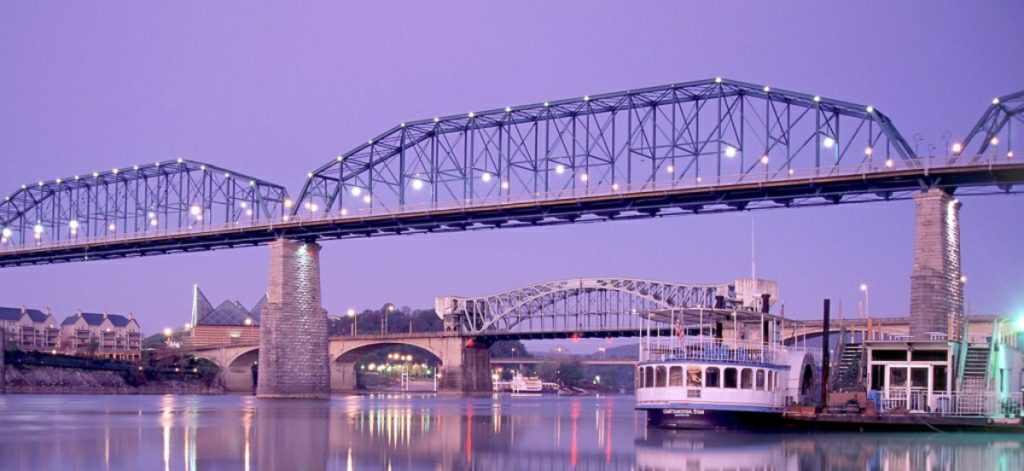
(157, 199)
(695, 132)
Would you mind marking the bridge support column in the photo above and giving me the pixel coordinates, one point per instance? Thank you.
(936, 292)
(466, 367)
(343, 376)
(293, 327)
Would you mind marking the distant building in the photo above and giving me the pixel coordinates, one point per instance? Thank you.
(106, 335)
(29, 329)
(228, 323)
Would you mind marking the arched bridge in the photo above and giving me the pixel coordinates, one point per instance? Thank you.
(706, 146)
(586, 307)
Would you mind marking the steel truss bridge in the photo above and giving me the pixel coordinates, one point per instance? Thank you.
(591, 307)
(706, 146)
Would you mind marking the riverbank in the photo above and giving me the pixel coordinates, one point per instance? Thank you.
(55, 380)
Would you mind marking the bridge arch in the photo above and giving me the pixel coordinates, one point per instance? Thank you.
(235, 365)
(592, 304)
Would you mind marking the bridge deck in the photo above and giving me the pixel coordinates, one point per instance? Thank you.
(579, 206)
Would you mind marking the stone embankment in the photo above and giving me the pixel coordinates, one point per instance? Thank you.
(52, 380)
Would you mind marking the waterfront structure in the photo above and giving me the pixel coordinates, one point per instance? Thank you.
(738, 146)
(229, 323)
(105, 335)
(29, 329)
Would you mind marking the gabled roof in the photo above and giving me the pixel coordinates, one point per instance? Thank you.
(14, 314)
(94, 319)
(37, 315)
(10, 313)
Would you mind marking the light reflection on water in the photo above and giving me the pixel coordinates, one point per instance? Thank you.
(429, 433)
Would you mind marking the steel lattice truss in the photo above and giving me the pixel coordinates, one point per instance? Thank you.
(581, 305)
(698, 132)
(144, 200)
(993, 133)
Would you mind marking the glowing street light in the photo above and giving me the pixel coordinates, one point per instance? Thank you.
(730, 151)
(867, 305)
(485, 177)
(351, 313)
(957, 148)
(417, 184)
(828, 142)
(559, 169)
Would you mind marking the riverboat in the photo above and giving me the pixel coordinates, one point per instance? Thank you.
(722, 367)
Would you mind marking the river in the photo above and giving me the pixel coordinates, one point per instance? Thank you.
(51, 432)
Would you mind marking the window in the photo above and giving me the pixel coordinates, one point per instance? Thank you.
(730, 378)
(694, 376)
(759, 380)
(660, 377)
(675, 376)
(747, 379)
(649, 377)
(771, 381)
(939, 378)
(712, 377)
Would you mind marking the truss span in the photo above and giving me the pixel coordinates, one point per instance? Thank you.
(993, 134)
(140, 201)
(589, 306)
(705, 133)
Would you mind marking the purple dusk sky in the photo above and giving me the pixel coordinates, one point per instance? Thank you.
(277, 89)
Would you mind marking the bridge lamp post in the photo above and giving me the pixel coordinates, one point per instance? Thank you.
(351, 313)
(167, 334)
(248, 323)
(384, 318)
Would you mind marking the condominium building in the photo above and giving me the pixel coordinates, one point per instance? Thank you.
(29, 329)
(106, 335)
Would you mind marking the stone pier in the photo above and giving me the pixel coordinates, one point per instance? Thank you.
(936, 290)
(293, 357)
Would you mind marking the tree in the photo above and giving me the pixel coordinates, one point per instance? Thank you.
(548, 371)
(571, 372)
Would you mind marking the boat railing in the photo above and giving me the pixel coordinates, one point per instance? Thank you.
(709, 349)
(957, 403)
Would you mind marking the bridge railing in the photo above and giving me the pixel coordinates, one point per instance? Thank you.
(374, 210)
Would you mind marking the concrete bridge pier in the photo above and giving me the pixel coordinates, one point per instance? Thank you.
(468, 369)
(936, 289)
(293, 356)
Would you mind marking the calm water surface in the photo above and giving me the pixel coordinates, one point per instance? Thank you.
(431, 433)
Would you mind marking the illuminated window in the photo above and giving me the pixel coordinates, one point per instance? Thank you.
(759, 380)
(660, 377)
(694, 376)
